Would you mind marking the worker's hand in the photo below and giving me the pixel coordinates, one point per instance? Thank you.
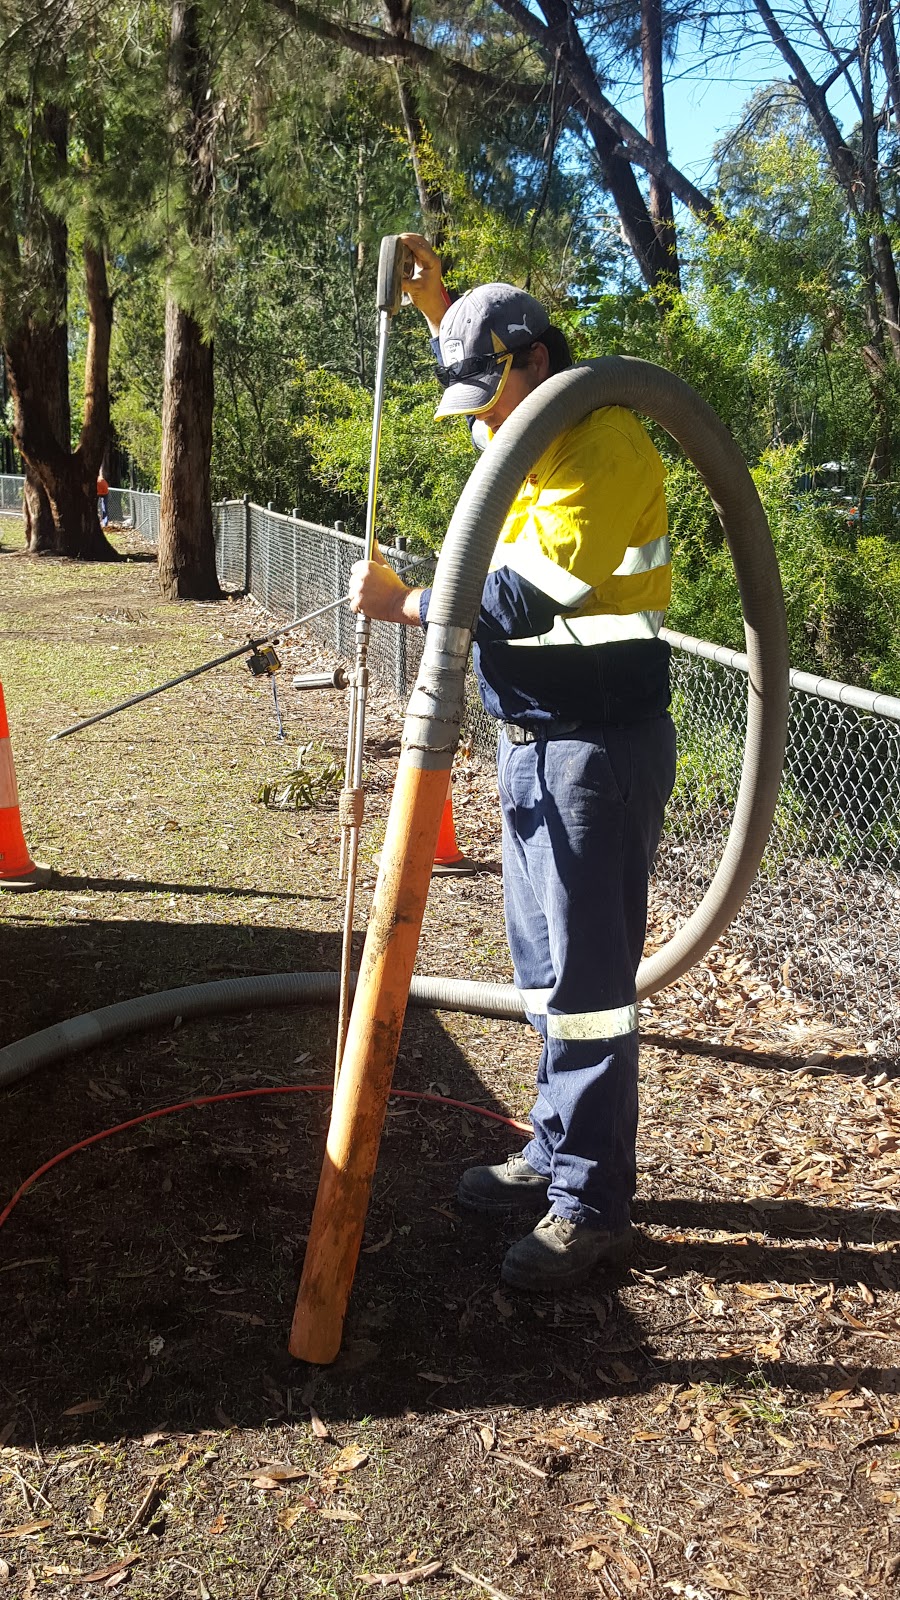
(425, 287)
(376, 590)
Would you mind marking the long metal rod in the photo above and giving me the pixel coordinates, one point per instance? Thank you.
(356, 731)
(218, 661)
(384, 328)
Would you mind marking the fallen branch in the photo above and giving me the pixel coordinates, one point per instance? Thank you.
(516, 1461)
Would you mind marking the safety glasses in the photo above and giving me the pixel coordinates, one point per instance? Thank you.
(472, 367)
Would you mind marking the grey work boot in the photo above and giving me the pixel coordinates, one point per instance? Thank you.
(512, 1186)
(560, 1253)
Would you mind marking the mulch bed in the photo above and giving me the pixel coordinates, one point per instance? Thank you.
(721, 1417)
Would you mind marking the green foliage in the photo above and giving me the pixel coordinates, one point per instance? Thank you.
(136, 364)
(423, 466)
(316, 779)
(842, 591)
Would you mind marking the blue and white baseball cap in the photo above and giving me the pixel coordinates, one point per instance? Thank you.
(479, 335)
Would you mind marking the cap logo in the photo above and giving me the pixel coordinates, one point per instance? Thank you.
(454, 351)
(519, 327)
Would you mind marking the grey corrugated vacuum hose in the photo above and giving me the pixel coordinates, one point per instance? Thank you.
(556, 406)
(431, 730)
(102, 1027)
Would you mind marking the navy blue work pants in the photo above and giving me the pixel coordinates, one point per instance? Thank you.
(582, 817)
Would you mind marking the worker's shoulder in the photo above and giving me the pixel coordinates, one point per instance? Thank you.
(614, 427)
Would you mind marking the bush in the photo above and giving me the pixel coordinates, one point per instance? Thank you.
(842, 592)
(423, 464)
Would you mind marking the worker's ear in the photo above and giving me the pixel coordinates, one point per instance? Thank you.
(539, 361)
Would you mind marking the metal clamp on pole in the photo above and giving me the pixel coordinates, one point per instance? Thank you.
(393, 260)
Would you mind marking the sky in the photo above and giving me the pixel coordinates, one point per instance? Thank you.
(705, 101)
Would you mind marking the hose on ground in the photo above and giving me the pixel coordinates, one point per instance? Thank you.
(109, 1023)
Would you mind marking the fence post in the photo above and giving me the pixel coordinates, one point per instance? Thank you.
(295, 518)
(400, 661)
(338, 586)
(270, 506)
(246, 544)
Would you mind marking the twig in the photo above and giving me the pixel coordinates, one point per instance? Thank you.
(481, 1583)
(264, 1579)
(607, 1575)
(144, 1506)
(516, 1461)
(643, 1552)
(27, 1488)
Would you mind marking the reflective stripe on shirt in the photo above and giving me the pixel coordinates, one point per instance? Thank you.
(603, 629)
(531, 564)
(644, 557)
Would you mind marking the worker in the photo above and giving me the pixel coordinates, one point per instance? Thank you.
(102, 500)
(568, 659)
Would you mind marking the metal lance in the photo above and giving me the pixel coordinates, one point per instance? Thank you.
(392, 259)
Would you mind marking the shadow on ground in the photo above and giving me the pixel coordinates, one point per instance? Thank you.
(154, 1274)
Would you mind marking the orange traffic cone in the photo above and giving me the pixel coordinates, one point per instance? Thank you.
(17, 870)
(448, 858)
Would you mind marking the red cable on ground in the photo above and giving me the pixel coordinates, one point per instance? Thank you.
(242, 1094)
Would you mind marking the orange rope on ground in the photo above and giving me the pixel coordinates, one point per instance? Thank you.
(242, 1094)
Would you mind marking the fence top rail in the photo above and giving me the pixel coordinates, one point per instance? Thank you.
(808, 683)
(843, 694)
(298, 522)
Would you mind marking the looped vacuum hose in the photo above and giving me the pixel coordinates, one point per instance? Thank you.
(558, 405)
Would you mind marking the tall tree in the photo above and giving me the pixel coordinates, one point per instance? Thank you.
(563, 34)
(61, 483)
(187, 555)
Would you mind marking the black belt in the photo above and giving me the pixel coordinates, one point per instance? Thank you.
(516, 734)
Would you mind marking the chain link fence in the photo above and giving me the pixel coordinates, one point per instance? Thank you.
(821, 924)
(11, 495)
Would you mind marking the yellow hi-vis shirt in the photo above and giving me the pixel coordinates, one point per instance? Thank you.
(589, 529)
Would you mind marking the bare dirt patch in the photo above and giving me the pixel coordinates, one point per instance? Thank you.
(722, 1417)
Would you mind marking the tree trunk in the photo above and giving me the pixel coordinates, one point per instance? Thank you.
(885, 268)
(187, 555)
(635, 220)
(39, 527)
(888, 39)
(61, 486)
(187, 551)
(50, 359)
(662, 209)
